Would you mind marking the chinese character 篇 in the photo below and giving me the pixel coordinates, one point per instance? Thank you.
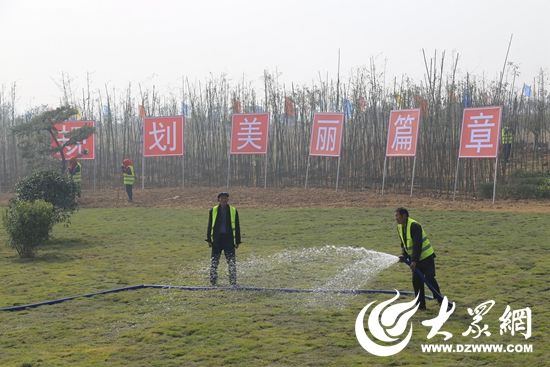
(403, 133)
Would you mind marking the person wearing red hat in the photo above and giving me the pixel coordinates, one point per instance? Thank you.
(129, 177)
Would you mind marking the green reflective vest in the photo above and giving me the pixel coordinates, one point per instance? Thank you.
(129, 178)
(232, 213)
(506, 136)
(427, 248)
(77, 176)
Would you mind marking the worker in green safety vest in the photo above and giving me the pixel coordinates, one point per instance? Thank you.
(506, 138)
(416, 247)
(74, 171)
(129, 177)
(223, 234)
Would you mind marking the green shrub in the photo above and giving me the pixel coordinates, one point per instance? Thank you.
(521, 185)
(52, 187)
(28, 225)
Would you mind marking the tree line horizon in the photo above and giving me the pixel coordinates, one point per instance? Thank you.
(365, 97)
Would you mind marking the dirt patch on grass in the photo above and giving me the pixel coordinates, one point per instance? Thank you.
(251, 197)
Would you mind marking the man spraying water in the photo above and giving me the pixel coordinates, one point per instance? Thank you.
(417, 251)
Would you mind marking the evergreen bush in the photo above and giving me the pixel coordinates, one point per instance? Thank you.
(28, 225)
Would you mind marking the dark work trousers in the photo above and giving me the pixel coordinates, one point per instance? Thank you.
(506, 150)
(426, 267)
(225, 244)
(129, 191)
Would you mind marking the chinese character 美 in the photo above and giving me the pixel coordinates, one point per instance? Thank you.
(478, 313)
(516, 321)
(251, 132)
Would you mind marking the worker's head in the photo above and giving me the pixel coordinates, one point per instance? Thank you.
(401, 215)
(223, 198)
(126, 162)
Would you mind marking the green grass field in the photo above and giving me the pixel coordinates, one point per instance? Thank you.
(481, 256)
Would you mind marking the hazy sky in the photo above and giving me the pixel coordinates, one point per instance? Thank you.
(158, 42)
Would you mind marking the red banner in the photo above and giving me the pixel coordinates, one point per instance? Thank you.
(480, 132)
(83, 150)
(403, 133)
(326, 134)
(249, 133)
(163, 136)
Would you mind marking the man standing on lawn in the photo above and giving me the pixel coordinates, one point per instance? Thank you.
(129, 177)
(416, 247)
(223, 234)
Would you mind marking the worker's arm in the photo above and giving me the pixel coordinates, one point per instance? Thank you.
(237, 229)
(209, 228)
(416, 236)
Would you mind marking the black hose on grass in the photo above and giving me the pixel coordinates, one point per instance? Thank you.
(205, 288)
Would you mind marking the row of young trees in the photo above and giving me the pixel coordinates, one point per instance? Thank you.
(366, 97)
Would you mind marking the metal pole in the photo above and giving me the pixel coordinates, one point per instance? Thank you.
(412, 179)
(265, 174)
(143, 172)
(337, 173)
(228, 167)
(95, 173)
(307, 169)
(384, 174)
(495, 179)
(183, 171)
(456, 177)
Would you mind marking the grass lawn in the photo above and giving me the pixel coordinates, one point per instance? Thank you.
(481, 256)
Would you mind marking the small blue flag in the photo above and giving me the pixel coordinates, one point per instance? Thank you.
(348, 108)
(184, 109)
(526, 90)
(466, 99)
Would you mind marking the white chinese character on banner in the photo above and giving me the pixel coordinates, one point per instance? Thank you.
(250, 133)
(478, 313)
(326, 136)
(480, 132)
(165, 137)
(437, 322)
(516, 321)
(326, 139)
(77, 148)
(403, 133)
(62, 135)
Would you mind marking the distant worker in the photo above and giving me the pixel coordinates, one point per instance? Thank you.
(506, 141)
(74, 171)
(223, 233)
(417, 249)
(129, 177)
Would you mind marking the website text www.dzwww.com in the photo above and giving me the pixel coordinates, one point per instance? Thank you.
(476, 348)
